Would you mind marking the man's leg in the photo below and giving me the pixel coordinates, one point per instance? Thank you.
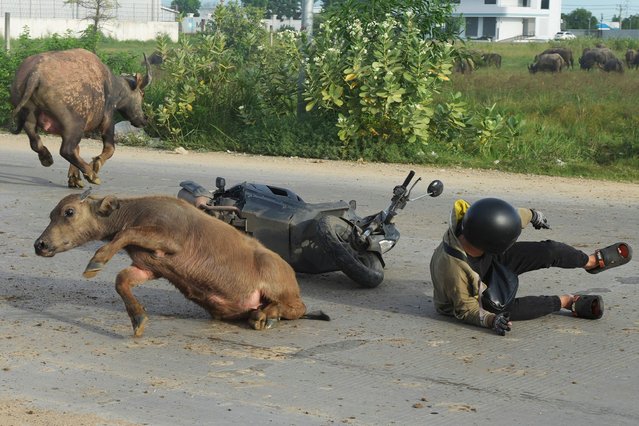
(529, 256)
(530, 307)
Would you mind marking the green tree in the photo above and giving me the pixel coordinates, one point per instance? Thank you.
(579, 19)
(285, 8)
(631, 22)
(187, 6)
(260, 4)
(281, 8)
(327, 4)
(240, 26)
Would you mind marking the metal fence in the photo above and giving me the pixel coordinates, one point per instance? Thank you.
(127, 10)
(607, 34)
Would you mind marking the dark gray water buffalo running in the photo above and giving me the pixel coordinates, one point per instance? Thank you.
(69, 93)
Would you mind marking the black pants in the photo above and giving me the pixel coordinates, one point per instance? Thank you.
(529, 256)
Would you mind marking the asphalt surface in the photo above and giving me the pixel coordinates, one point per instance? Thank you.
(67, 351)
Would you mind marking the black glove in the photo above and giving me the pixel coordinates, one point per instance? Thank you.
(538, 220)
(500, 325)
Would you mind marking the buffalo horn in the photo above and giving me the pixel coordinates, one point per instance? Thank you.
(147, 77)
(85, 194)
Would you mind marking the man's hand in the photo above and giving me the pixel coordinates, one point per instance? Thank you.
(539, 220)
(502, 323)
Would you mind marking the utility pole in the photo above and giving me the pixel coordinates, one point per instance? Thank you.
(620, 18)
(307, 27)
(7, 31)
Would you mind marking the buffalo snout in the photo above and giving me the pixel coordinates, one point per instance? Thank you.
(139, 121)
(42, 248)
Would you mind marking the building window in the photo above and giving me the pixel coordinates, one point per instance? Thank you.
(472, 25)
(545, 4)
(490, 1)
(490, 27)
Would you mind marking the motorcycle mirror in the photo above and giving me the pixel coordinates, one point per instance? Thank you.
(435, 188)
(220, 183)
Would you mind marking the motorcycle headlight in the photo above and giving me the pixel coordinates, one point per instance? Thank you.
(386, 245)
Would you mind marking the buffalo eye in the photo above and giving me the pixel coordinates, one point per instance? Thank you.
(69, 213)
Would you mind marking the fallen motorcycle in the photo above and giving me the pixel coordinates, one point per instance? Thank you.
(312, 237)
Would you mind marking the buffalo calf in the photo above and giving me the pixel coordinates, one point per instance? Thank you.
(228, 273)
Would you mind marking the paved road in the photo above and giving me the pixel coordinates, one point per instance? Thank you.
(67, 355)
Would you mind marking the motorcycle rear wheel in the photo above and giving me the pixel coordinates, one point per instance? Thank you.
(363, 267)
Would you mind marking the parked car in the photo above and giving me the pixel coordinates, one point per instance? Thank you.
(565, 35)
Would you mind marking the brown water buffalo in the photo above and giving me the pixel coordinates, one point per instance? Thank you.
(565, 53)
(550, 62)
(69, 93)
(228, 273)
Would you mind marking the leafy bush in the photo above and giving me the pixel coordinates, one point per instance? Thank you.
(378, 71)
(217, 84)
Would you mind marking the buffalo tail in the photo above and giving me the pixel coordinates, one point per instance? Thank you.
(316, 315)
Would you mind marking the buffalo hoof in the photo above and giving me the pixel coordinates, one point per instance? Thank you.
(139, 323)
(96, 164)
(45, 158)
(93, 179)
(92, 269)
(75, 182)
(259, 321)
(271, 322)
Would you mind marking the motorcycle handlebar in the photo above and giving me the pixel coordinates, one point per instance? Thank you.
(410, 176)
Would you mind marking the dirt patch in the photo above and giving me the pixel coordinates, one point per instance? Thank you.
(16, 412)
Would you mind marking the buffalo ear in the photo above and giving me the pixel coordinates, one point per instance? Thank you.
(108, 205)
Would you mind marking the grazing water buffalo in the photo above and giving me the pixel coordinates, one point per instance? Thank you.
(614, 64)
(565, 53)
(463, 65)
(69, 93)
(550, 62)
(596, 57)
(630, 57)
(228, 273)
(492, 59)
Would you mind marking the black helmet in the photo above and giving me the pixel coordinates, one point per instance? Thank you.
(491, 225)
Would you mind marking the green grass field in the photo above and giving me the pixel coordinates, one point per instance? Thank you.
(574, 122)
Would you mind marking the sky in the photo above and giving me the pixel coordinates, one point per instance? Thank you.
(608, 8)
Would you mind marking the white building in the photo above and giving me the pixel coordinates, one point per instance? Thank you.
(131, 19)
(126, 10)
(509, 19)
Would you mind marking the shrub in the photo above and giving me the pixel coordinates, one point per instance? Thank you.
(378, 71)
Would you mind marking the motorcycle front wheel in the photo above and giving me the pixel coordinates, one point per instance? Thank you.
(363, 267)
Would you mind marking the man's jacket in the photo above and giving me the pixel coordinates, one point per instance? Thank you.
(456, 286)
